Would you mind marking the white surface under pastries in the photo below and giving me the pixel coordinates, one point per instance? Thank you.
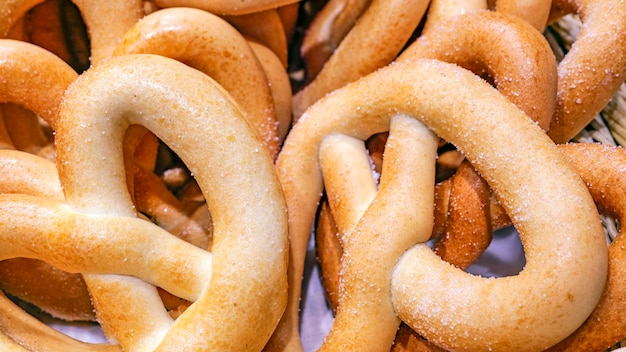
(504, 257)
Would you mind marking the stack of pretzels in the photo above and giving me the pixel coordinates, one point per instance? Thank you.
(167, 164)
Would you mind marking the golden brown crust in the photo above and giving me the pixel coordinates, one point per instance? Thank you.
(424, 89)
(518, 59)
(378, 36)
(175, 33)
(468, 230)
(97, 231)
(593, 69)
(602, 169)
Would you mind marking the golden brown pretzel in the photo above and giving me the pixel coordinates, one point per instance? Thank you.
(251, 220)
(371, 242)
(422, 88)
(602, 169)
(535, 12)
(440, 10)
(468, 230)
(57, 25)
(266, 27)
(22, 62)
(106, 21)
(58, 293)
(593, 69)
(378, 36)
(326, 31)
(226, 7)
(25, 64)
(177, 32)
(523, 67)
(525, 73)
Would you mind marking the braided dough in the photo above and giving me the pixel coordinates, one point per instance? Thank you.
(373, 243)
(566, 271)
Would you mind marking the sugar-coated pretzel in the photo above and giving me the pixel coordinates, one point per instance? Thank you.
(106, 21)
(364, 314)
(523, 67)
(176, 32)
(463, 109)
(602, 169)
(535, 12)
(440, 10)
(170, 99)
(525, 73)
(27, 63)
(226, 7)
(593, 69)
(378, 36)
(280, 86)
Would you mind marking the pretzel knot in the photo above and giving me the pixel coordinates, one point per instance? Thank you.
(238, 290)
(540, 192)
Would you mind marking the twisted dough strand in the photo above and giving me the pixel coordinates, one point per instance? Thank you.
(476, 109)
(171, 99)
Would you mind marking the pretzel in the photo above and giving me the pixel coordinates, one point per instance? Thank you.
(250, 250)
(422, 89)
(378, 36)
(524, 73)
(592, 70)
(440, 10)
(327, 29)
(370, 238)
(266, 27)
(23, 62)
(535, 12)
(106, 21)
(31, 280)
(468, 230)
(57, 26)
(279, 83)
(229, 60)
(226, 7)
(602, 169)
(289, 15)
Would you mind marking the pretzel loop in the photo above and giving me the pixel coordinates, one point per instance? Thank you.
(465, 110)
(243, 196)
